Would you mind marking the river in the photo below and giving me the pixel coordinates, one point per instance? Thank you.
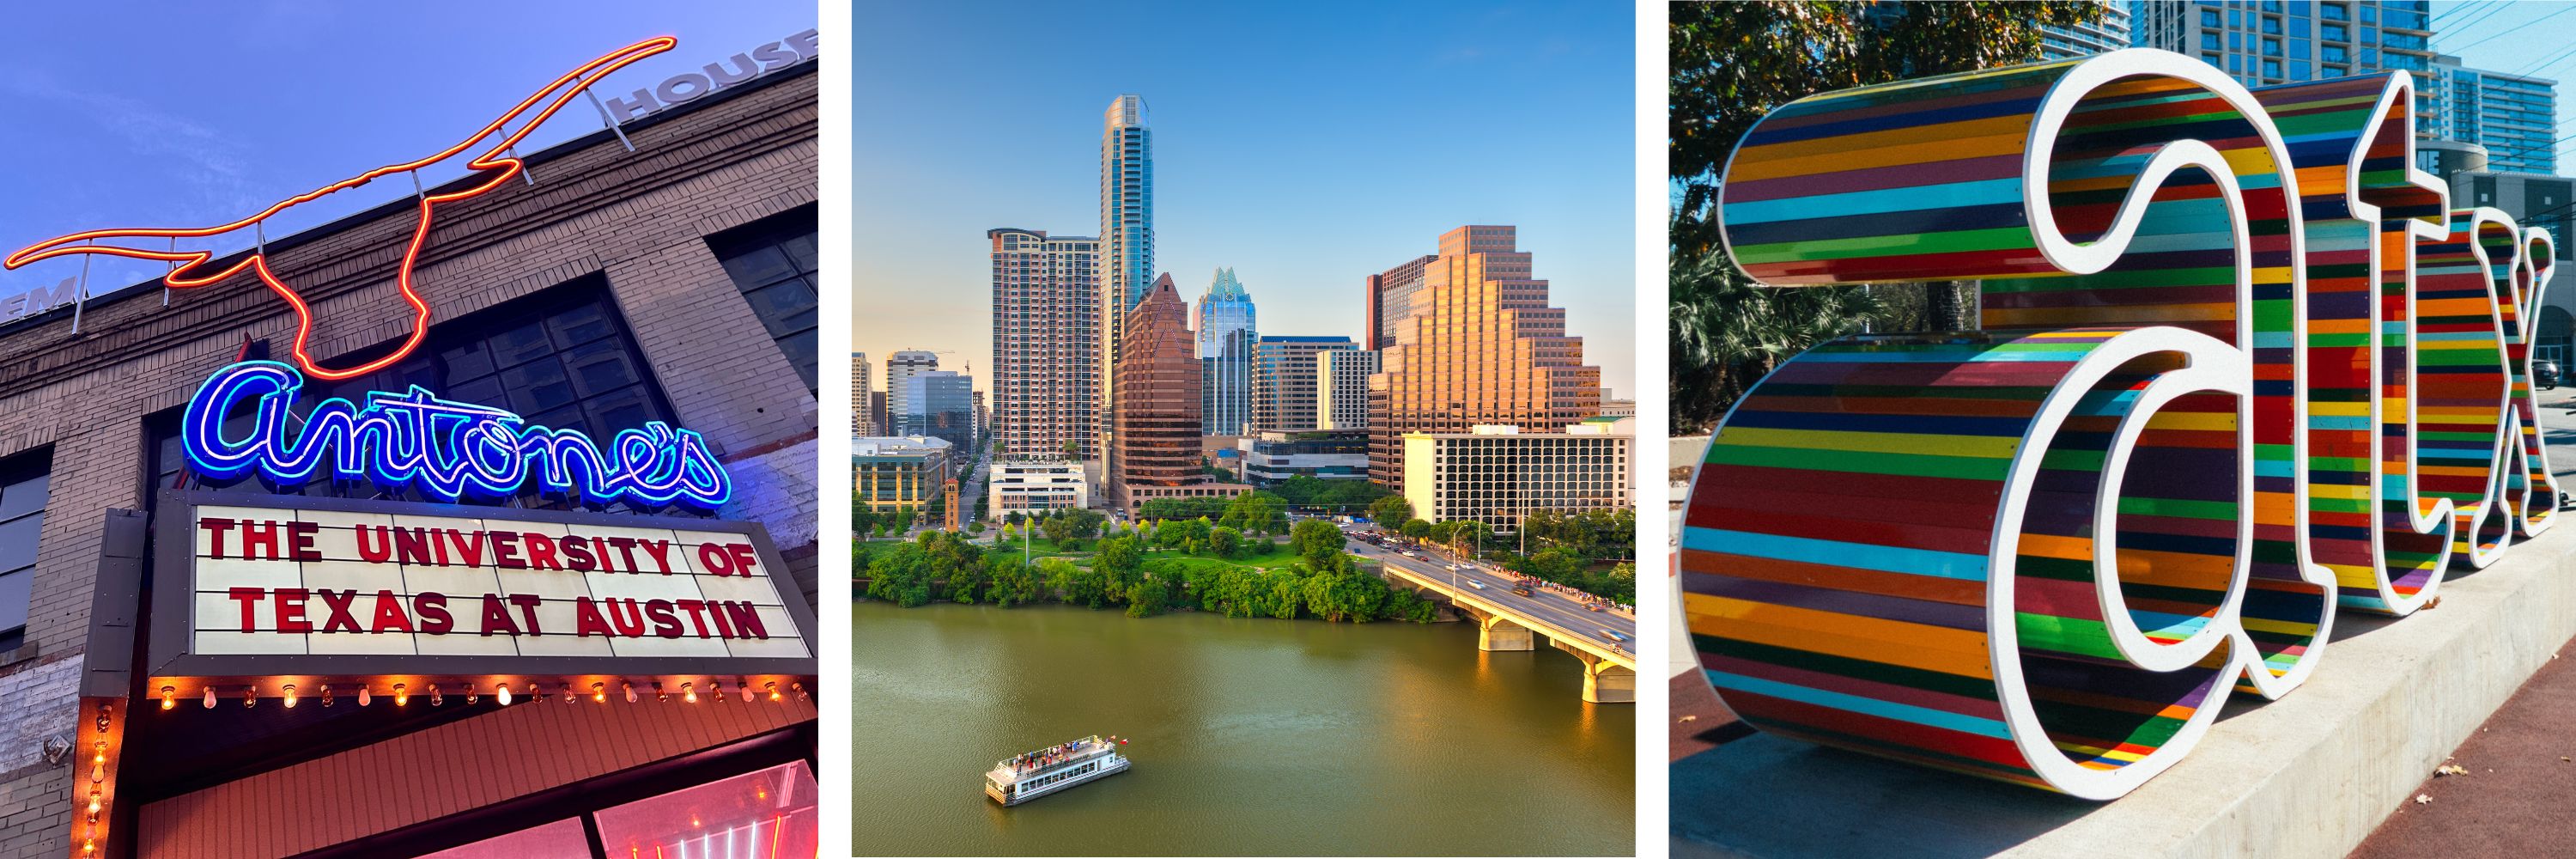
(1250, 737)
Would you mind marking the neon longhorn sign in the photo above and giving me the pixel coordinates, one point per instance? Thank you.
(2240, 367)
(443, 449)
(495, 165)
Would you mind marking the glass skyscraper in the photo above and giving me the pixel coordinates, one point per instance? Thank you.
(1126, 257)
(2261, 42)
(2514, 116)
(1227, 333)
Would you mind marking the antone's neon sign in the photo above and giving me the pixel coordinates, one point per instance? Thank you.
(495, 166)
(444, 449)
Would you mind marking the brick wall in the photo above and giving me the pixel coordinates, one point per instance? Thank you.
(639, 217)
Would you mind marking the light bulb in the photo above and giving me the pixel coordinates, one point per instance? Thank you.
(250, 696)
(401, 697)
(501, 693)
(365, 699)
(743, 689)
(167, 699)
(630, 693)
(472, 695)
(290, 696)
(800, 690)
(689, 692)
(93, 806)
(718, 687)
(599, 691)
(210, 697)
(326, 694)
(660, 694)
(104, 711)
(435, 698)
(772, 686)
(567, 693)
(534, 695)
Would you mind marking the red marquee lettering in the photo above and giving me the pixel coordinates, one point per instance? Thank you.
(290, 610)
(469, 547)
(666, 623)
(712, 558)
(586, 619)
(527, 604)
(661, 552)
(697, 610)
(412, 546)
(378, 550)
(339, 604)
(746, 618)
(746, 560)
(505, 550)
(389, 613)
(541, 552)
(300, 540)
(432, 608)
(576, 552)
(261, 535)
(215, 529)
(630, 622)
(716, 614)
(496, 618)
(249, 599)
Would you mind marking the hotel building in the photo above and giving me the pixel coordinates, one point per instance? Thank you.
(1495, 474)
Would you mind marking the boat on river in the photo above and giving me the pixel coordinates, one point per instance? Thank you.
(1021, 778)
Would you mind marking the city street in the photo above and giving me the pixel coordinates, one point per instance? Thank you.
(1565, 613)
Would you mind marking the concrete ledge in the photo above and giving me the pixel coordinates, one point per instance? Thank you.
(2309, 775)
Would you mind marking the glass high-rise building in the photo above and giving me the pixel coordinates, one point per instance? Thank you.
(1285, 381)
(899, 369)
(943, 404)
(1227, 331)
(1126, 259)
(2110, 33)
(2261, 42)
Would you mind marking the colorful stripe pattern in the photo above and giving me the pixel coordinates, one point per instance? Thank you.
(2211, 403)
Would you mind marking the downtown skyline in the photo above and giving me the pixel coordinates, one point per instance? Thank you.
(1241, 182)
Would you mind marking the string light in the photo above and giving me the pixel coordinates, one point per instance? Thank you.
(435, 698)
(659, 694)
(472, 694)
(743, 689)
(501, 693)
(772, 686)
(599, 692)
(326, 694)
(290, 696)
(93, 806)
(800, 691)
(98, 764)
(210, 697)
(250, 696)
(630, 692)
(567, 693)
(401, 697)
(104, 709)
(718, 687)
(365, 699)
(534, 695)
(689, 692)
(167, 697)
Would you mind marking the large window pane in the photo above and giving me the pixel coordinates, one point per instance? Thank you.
(765, 813)
(774, 263)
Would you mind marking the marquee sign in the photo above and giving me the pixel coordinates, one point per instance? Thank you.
(493, 166)
(325, 589)
(444, 449)
(2241, 366)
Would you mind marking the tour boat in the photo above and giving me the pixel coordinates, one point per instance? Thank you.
(1025, 777)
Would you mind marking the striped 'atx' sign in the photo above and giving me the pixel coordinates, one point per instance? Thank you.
(2240, 366)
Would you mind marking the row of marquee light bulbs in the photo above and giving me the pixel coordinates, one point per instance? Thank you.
(502, 693)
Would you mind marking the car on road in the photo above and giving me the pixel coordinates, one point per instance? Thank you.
(2544, 374)
(1523, 590)
(1592, 606)
(1475, 584)
(1613, 636)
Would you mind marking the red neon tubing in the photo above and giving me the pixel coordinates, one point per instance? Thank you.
(495, 160)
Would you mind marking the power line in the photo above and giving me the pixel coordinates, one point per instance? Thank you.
(2458, 8)
(2500, 7)
(2562, 10)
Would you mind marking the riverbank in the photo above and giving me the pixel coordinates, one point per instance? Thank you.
(1249, 737)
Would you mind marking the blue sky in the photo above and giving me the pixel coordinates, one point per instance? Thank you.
(182, 115)
(1306, 146)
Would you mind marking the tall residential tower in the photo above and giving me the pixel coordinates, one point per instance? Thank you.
(1046, 343)
(1126, 258)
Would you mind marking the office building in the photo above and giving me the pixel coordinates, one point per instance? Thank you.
(1034, 485)
(1390, 299)
(862, 389)
(1273, 457)
(899, 370)
(1126, 256)
(1284, 380)
(1496, 474)
(1156, 448)
(880, 413)
(1046, 343)
(1341, 388)
(1226, 333)
(942, 404)
(1479, 345)
(2514, 116)
(888, 473)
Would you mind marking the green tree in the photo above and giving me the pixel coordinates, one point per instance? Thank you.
(1225, 542)
(863, 518)
(1303, 490)
(1315, 539)
(1147, 597)
(1730, 63)
(1014, 582)
(1390, 511)
(1416, 529)
(1118, 558)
